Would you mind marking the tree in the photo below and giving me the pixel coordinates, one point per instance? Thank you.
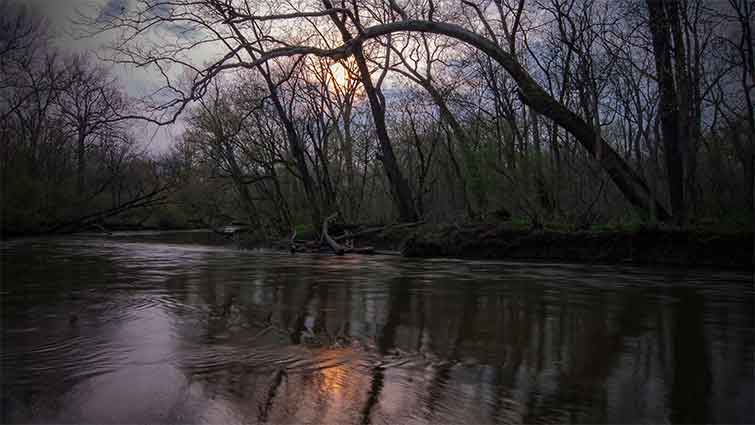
(90, 107)
(630, 184)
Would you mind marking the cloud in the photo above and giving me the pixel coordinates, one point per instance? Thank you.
(112, 9)
(60, 13)
(61, 18)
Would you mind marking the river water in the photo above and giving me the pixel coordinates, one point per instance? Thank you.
(142, 328)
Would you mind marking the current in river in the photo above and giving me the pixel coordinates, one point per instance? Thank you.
(158, 328)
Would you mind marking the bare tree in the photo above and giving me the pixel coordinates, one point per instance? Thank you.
(90, 107)
(566, 91)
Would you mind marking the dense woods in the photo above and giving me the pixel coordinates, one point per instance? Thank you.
(573, 114)
(67, 158)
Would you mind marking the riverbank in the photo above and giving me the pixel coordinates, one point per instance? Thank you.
(646, 246)
(673, 247)
(17, 233)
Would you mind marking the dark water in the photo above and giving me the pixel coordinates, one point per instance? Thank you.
(135, 330)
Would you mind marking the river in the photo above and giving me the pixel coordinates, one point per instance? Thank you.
(154, 328)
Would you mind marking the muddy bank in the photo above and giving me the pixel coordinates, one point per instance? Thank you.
(671, 247)
(649, 246)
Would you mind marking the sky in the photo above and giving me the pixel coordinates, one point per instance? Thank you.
(60, 15)
(135, 82)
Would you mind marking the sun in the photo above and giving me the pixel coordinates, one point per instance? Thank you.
(339, 75)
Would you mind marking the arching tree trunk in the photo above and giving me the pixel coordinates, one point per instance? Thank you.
(634, 188)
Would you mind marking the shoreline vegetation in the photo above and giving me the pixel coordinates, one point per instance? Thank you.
(643, 246)
(504, 241)
(510, 132)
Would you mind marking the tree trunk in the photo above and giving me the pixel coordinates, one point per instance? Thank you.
(750, 186)
(297, 150)
(294, 142)
(80, 161)
(659, 21)
(280, 202)
(684, 88)
(540, 187)
(402, 194)
(252, 216)
(457, 170)
(348, 153)
(465, 144)
(634, 188)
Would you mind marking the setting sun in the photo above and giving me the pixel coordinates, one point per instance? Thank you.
(339, 75)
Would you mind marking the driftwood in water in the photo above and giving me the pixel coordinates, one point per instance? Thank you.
(329, 242)
(335, 246)
(292, 245)
(302, 245)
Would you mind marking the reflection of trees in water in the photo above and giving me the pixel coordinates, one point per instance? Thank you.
(464, 328)
(591, 341)
(691, 372)
(526, 352)
(264, 409)
(373, 394)
(300, 326)
(398, 303)
(286, 346)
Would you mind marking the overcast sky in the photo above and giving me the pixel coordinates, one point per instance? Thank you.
(60, 15)
(136, 82)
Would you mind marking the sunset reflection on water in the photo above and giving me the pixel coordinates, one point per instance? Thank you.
(199, 334)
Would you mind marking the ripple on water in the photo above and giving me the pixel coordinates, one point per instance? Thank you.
(169, 332)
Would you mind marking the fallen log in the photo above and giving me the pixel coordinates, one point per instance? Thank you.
(335, 246)
(149, 200)
(328, 242)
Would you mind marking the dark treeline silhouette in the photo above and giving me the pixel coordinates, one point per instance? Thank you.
(576, 113)
(68, 160)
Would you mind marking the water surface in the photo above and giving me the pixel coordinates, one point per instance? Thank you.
(138, 329)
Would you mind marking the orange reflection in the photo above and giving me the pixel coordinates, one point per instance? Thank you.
(333, 374)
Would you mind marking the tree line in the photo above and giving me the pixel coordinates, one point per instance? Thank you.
(579, 112)
(68, 160)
